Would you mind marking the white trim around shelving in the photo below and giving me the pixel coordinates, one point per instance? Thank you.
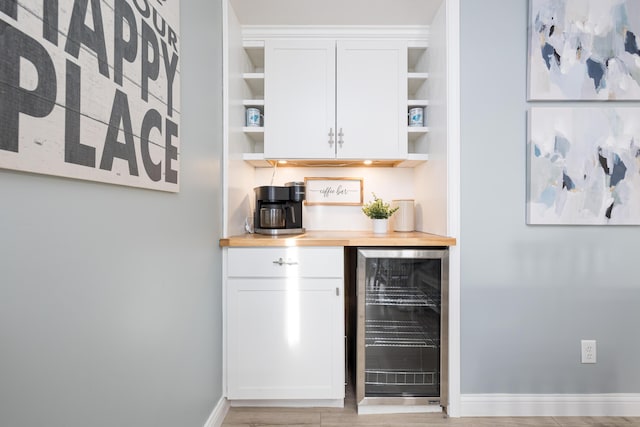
(413, 160)
(453, 202)
(253, 129)
(225, 116)
(371, 32)
(550, 405)
(256, 160)
(253, 76)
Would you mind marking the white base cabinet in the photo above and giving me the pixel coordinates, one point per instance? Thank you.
(285, 323)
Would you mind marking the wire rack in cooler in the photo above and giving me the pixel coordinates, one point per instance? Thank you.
(410, 378)
(395, 333)
(403, 295)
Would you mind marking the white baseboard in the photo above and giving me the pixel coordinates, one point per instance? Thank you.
(285, 403)
(550, 405)
(219, 412)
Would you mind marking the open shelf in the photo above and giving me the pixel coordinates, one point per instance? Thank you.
(417, 91)
(255, 81)
(416, 56)
(416, 81)
(254, 50)
(418, 137)
(255, 133)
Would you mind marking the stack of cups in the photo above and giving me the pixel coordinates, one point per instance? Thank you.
(404, 218)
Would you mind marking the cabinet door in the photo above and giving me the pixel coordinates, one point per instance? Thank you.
(285, 338)
(299, 99)
(371, 99)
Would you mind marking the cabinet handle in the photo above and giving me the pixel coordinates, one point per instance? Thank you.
(331, 136)
(280, 261)
(340, 135)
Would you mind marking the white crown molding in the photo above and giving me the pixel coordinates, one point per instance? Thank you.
(550, 405)
(380, 32)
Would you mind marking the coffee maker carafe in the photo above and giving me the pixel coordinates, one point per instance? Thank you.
(279, 209)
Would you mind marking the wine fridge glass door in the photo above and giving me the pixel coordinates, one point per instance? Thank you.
(400, 326)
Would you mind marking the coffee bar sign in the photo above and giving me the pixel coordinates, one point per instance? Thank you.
(90, 89)
(333, 191)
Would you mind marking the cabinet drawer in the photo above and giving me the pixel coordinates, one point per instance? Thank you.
(286, 262)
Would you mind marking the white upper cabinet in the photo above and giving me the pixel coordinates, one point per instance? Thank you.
(300, 94)
(371, 95)
(335, 99)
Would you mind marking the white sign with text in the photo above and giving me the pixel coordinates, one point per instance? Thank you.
(333, 191)
(90, 89)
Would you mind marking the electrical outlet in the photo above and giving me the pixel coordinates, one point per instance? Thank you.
(588, 351)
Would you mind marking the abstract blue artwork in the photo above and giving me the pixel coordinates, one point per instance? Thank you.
(584, 166)
(584, 50)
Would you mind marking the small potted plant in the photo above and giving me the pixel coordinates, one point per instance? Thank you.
(379, 212)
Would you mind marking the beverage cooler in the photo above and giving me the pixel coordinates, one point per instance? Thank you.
(401, 355)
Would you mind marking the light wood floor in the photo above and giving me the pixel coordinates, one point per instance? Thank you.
(312, 417)
(316, 417)
(347, 416)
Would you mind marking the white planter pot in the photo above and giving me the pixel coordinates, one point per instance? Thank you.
(380, 226)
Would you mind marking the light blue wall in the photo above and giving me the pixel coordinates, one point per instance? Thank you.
(110, 297)
(531, 293)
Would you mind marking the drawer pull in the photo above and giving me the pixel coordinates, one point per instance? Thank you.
(280, 261)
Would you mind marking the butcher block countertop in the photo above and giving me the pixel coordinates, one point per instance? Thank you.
(339, 238)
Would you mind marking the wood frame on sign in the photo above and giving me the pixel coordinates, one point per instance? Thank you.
(336, 191)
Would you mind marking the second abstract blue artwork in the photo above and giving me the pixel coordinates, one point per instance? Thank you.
(584, 166)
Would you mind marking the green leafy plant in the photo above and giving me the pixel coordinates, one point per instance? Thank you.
(378, 209)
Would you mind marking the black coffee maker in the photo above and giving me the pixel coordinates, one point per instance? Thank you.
(279, 209)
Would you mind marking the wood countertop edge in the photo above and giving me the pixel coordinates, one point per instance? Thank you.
(337, 238)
